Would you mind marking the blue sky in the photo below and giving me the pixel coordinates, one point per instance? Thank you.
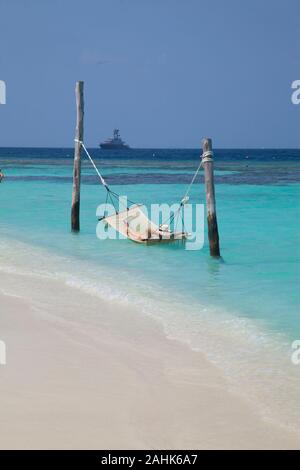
(166, 72)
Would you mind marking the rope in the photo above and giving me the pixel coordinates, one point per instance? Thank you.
(185, 198)
(110, 193)
(92, 162)
(206, 156)
(208, 153)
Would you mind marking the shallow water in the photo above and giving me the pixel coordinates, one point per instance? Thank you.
(242, 311)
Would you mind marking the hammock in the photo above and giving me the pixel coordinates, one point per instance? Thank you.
(132, 223)
(135, 225)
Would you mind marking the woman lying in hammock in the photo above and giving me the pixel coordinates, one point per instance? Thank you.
(152, 235)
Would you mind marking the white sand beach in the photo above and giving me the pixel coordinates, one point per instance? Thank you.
(70, 385)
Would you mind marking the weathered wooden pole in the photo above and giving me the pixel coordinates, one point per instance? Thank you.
(208, 165)
(75, 211)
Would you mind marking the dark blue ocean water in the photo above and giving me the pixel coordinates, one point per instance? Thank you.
(161, 166)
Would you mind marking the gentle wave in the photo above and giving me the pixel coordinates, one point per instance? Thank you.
(256, 363)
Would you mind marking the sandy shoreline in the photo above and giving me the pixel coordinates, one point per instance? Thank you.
(72, 383)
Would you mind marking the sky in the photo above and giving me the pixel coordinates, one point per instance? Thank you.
(166, 72)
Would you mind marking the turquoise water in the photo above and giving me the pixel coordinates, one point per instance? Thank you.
(258, 224)
(249, 299)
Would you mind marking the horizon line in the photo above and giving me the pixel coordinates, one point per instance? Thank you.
(150, 148)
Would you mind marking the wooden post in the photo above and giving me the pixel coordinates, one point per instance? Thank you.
(208, 165)
(75, 212)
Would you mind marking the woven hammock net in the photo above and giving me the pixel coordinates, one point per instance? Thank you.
(135, 225)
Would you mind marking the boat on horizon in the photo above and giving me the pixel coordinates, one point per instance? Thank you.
(114, 143)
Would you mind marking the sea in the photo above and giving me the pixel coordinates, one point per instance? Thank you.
(241, 311)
